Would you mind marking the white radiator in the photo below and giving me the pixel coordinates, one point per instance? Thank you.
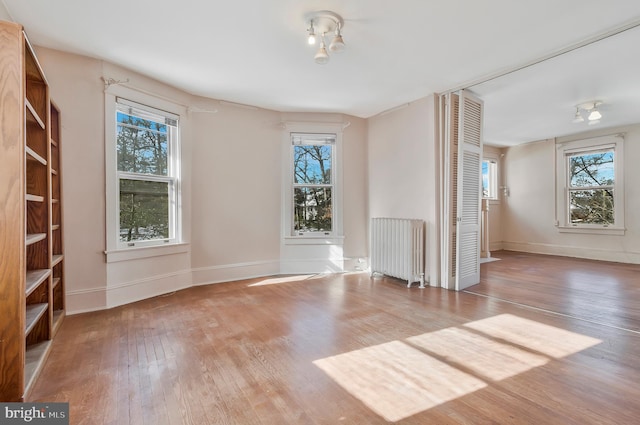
(397, 248)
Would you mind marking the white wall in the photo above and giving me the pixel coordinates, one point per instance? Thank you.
(529, 211)
(236, 182)
(231, 188)
(355, 193)
(76, 88)
(237, 178)
(403, 171)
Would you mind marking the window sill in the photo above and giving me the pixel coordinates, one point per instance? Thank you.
(615, 231)
(314, 240)
(137, 253)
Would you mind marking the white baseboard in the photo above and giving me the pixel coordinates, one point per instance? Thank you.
(94, 299)
(496, 246)
(356, 264)
(306, 266)
(232, 272)
(574, 251)
(85, 300)
(148, 287)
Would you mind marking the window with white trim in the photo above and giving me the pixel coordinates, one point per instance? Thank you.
(313, 181)
(591, 186)
(147, 173)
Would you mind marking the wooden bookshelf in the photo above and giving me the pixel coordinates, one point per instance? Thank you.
(31, 256)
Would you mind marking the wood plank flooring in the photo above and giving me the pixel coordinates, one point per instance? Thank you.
(348, 349)
(600, 291)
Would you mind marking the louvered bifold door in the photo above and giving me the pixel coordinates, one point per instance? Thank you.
(468, 220)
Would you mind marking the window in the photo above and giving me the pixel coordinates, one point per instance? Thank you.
(591, 186)
(313, 183)
(489, 179)
(147, 175)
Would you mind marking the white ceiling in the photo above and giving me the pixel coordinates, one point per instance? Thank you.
(539, 102)
(255, 52)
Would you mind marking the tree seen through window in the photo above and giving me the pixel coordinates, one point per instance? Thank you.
(591, 186)
(143, 164)
(312, 188)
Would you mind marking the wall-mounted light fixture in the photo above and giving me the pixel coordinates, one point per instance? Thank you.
(324, 22)
(588, 110)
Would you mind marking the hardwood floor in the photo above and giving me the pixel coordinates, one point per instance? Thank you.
(347, 349)
(603, 292)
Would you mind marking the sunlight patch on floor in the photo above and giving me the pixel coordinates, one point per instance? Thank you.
(299, 278)
(283, 279)
(545, 339)
(485, 357)
(397, 381)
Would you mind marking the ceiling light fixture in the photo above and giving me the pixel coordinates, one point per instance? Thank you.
(588, 110)
(324, 22)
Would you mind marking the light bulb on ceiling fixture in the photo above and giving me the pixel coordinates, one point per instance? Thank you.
(578, 117)
(337, 44)
(595, 114)
(312, 35)
(322, 57)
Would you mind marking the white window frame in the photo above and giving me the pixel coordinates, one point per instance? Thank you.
(290, 236)
(122, 251)
(585, 146)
